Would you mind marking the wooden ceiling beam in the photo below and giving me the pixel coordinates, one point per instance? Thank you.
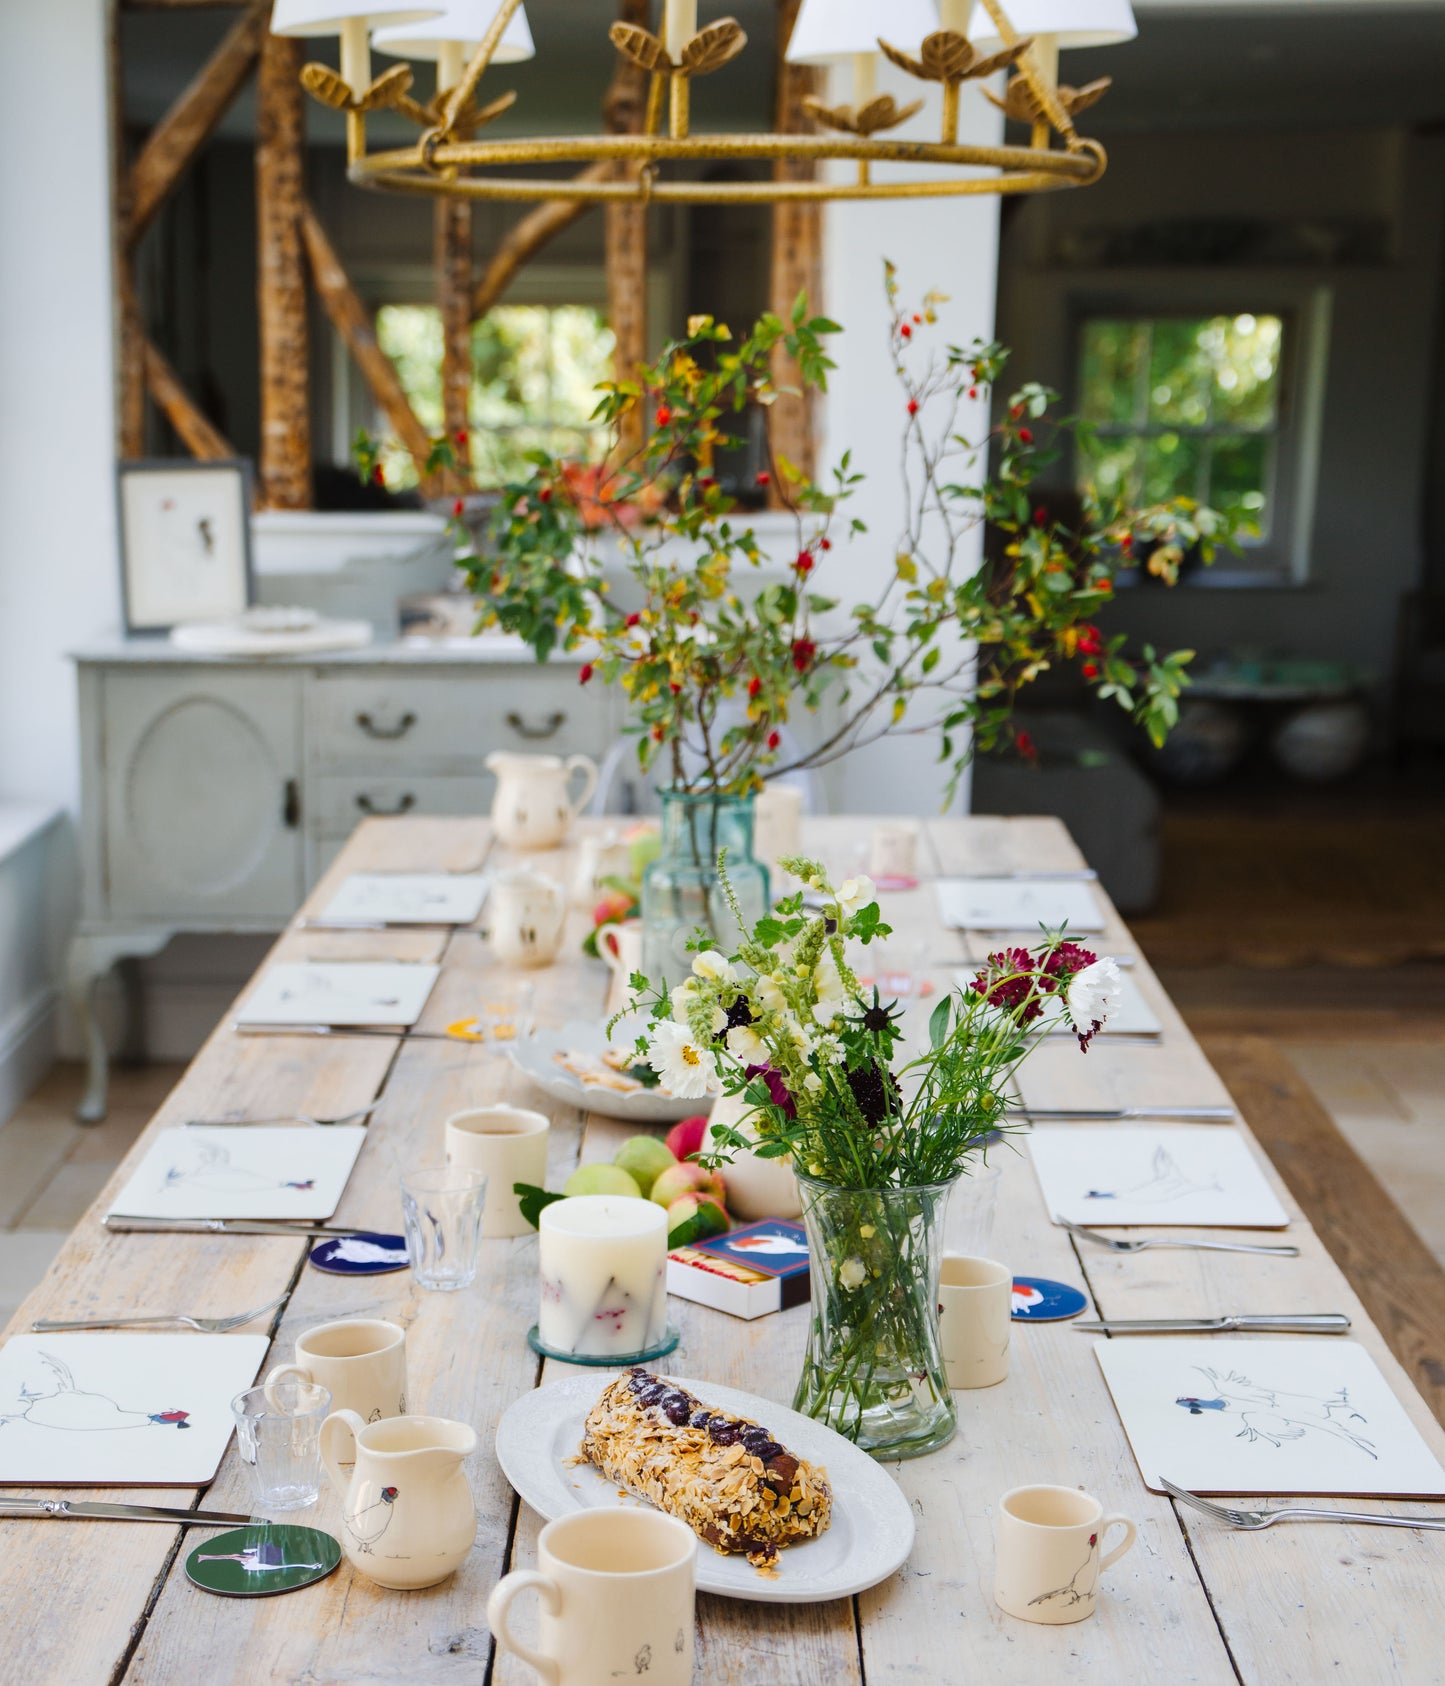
(351, 319)
(186, 127)
(200, 437)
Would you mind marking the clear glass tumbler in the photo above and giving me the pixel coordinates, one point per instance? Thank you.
(442, 1215)
(278, 1435)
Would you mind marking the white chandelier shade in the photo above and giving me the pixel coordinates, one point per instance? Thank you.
(1073, 23)
(463, 21)
(330, 17)
(830, 30)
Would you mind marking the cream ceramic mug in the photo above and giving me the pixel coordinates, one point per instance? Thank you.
(893, 852)
(1048, 1553)
(360, 1360)
(508, 1145)
(617, 1599)
(975, 1302)
(407, 1514)
(526, 912)
(621, 947)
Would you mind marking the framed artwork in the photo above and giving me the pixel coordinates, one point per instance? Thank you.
(185, 542)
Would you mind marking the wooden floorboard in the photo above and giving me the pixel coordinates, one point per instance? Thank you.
(1391, 1269)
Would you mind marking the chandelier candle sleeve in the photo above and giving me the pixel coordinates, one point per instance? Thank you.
(603, 1263)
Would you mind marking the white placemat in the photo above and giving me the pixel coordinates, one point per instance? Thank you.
(1251, 1417)
(1195, 1174)
(407, 898)
(346, 992)
(120, 1410)
(1007, 904)
(260, 1171)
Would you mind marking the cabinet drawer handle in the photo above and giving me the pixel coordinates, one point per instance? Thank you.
(291, 805)
(548, 728)
(399, 730)
(404, 804)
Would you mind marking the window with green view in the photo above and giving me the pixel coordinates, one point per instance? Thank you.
(534, 368)
(1183, 405)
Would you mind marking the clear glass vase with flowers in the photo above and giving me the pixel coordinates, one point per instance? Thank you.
(878, 1128)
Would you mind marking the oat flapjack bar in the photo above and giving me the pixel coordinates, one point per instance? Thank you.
(725, 1476)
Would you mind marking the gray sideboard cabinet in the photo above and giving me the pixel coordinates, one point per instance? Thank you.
(215, 791)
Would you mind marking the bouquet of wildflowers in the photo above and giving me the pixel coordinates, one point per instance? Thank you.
(876, 1133)
(820, 1059)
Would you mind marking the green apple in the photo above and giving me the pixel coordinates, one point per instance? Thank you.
(695, 1217)
(644, 1158)
(687, 1179)
(601, 1179)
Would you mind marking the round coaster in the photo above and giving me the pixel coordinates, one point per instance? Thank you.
(363, 1254)
(611, 1361)
(1037, 1300)
(262, 1559)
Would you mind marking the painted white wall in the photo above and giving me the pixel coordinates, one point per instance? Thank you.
(947, 245)
(58, 581)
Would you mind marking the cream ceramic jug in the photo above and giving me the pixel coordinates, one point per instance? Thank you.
(532, 808)
(526, 913)
(757, 1188)
(407, 1516)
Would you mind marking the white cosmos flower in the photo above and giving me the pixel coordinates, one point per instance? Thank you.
(1092, 995)
(713, 966)
(854, 893)
(746, 1046)
(827, 986)
(687, 1070)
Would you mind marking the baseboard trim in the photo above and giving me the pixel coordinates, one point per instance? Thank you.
(28, 1041)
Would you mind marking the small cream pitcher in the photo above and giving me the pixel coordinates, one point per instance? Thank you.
(526, 913)
(407, 1515)
(532, 808)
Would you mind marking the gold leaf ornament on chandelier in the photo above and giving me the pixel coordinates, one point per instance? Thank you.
(944, 43)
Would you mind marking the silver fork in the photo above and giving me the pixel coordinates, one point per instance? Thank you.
(206, 1325)
(1163, 1241)
(357, 1117)
(1255, 1519)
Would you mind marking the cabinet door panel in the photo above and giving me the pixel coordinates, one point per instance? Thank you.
(202, 782)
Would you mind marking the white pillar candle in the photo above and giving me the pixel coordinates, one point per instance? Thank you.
(604, 1285)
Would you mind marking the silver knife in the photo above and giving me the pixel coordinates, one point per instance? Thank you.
(1200, 1114)
(121, 1223)
(81, 1509)
(1296, 1323)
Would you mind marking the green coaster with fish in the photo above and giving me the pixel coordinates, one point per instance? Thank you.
(263, 1559)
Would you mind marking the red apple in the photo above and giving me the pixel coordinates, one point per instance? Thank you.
(685, 1139)
(687, 1178)
(714, 1220)
(613, 906)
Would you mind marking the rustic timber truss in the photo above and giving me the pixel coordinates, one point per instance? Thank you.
(294, 250)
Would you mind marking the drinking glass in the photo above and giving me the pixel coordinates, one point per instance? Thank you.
(970, 1215)
(277, 1430)
(442, 1216)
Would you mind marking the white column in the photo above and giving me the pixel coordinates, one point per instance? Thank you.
(947, 245)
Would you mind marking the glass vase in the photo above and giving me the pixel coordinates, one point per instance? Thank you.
(681, 891)
(873, 1369)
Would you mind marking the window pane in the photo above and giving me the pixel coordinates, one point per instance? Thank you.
(1246, 353)
(1239, 474)
(1114, 354)
(1171, 467)
(411, 336)
(1181, 374)
(1111, 468)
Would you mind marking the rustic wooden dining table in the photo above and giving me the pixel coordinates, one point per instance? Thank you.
(1195, 1601)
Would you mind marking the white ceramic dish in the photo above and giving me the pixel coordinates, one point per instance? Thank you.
(534, 1055)
(872, 1528)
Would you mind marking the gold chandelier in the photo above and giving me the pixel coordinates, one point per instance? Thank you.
(450, 159)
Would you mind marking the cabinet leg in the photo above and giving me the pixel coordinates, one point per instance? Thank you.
(91, 957)
(81, 991)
